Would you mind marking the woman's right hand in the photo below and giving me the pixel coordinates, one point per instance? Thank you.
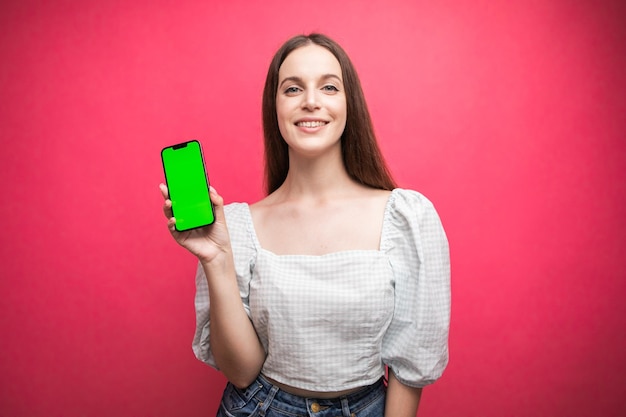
(206, 243)
(234, 342)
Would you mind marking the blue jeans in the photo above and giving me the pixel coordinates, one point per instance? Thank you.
(262, 398)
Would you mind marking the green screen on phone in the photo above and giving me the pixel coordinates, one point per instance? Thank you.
(188, 185)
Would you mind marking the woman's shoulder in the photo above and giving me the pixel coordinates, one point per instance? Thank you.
(407, 209)
(236, 209)
(403, 200)
(410, 217)
(237, 215)
(241, 231)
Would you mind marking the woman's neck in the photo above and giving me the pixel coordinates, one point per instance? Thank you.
(318, 178)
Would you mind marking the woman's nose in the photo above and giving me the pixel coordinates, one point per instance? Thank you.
(310, 100)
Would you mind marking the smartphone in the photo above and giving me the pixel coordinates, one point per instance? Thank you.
(188, 185)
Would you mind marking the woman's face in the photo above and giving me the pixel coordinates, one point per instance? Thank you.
(311, 101)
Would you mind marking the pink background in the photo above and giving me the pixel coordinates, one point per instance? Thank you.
(509, 116)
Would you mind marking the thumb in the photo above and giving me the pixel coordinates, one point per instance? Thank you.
(218, 203)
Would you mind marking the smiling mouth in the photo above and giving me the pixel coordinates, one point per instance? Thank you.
(316, 123)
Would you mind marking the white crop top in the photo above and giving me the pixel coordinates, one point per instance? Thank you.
(332, 322)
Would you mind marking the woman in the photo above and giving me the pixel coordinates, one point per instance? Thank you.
(305, 298)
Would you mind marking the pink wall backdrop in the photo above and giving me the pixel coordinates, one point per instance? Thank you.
(510, 116)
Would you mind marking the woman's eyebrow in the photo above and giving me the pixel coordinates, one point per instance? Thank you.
(299, 80)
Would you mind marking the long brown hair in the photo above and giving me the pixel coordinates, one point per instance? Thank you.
(361, 155)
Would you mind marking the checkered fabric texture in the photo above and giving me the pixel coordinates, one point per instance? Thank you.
(332, 322)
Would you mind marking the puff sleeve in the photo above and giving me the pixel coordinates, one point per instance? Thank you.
(244, 253)
(415, 346)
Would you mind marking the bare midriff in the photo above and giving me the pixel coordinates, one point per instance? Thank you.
(312, 394)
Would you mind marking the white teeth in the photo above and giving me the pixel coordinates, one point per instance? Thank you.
(311, 124)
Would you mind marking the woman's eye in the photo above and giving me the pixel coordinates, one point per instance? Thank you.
(330, 87)
(292, 90)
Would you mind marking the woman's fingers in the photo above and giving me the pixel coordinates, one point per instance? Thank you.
(218, 203)
(215, 197)
(171, 224)
(164, 192)
(167, 208)
(167, 204)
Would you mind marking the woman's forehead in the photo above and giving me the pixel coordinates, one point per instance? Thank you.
(310, 61)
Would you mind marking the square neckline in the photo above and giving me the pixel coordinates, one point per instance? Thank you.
(381, 243)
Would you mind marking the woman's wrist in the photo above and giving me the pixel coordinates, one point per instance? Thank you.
(217, 263)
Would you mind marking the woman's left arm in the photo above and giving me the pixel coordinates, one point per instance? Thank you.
(402, 400)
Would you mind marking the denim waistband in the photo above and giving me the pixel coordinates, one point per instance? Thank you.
(354, 399)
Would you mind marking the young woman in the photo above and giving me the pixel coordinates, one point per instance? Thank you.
(305, 298)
